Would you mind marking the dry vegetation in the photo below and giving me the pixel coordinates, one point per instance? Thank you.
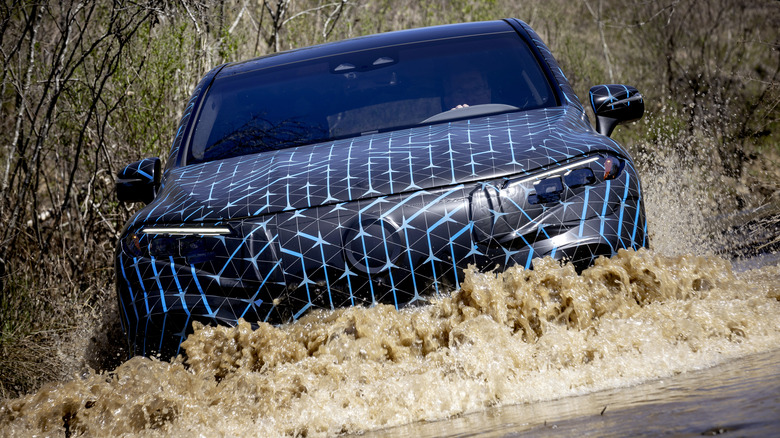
(89, 87)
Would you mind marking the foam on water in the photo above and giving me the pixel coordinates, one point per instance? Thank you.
(504, 338)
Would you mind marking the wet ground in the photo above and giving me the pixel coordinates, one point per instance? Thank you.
(737, 398)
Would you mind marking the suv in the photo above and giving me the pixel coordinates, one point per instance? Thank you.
(371, 170)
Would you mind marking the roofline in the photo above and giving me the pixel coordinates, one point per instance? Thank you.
(366, 42)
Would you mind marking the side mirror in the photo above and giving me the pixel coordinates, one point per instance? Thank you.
(139, 181)
(615, 104)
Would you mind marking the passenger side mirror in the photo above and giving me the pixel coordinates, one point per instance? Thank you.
(615, 104)
(139, 181)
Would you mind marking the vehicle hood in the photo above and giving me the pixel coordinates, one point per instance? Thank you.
(420, 158)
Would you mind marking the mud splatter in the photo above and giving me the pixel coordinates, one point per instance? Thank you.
(504, 338)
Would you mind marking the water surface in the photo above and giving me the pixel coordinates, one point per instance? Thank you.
(506, 353)
(737, 398)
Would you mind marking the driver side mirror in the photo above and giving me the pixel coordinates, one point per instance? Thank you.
(139, 181)
(615, 104)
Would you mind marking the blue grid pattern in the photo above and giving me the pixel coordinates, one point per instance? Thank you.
(387, 163)
(311, 230)
(383, 218)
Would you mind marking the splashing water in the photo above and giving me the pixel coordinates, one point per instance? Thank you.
(504, 338)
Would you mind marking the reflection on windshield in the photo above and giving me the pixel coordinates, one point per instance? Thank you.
(365, 92)
(262, 135)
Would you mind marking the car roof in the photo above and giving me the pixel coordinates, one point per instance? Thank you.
(364, 43)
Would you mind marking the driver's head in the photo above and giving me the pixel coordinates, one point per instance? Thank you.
(467, 87)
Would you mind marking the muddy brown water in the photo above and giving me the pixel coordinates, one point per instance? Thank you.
(519, 352)
(738, 398)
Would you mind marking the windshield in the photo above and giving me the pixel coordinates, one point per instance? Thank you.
(368, 91)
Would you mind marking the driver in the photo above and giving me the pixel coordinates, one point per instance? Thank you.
(466, 88)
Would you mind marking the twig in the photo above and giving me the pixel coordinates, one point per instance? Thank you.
(192, 17)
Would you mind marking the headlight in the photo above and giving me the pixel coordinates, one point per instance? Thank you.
(191, 242)
(547, 190)
(548, 186)
(579, 177)
(187, 231)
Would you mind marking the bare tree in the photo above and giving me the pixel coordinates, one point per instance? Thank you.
(59, 60)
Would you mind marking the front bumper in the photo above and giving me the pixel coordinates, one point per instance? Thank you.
(396, 249)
